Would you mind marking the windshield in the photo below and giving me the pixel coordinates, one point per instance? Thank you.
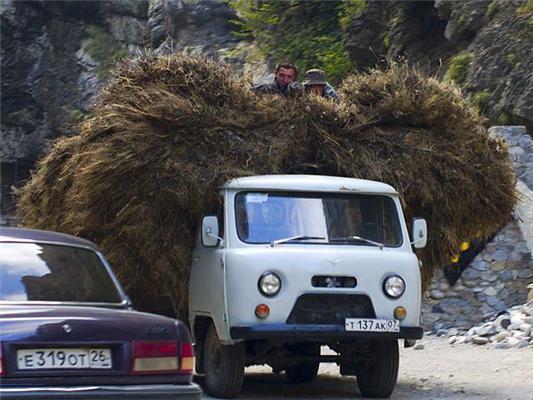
(264, 217)
(42, 272)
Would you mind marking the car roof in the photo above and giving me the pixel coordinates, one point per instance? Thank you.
(312, 183)
(38, 236)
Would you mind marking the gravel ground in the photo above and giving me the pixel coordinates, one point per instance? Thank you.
(439, 371)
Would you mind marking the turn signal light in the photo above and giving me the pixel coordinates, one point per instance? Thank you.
(262, 311)
(400, 313)
(155, 357)
(186, 358)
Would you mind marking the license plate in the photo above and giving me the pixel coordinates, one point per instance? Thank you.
(64, 358)
(372, 325)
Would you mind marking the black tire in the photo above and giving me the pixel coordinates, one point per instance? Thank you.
(305, 371)
(379, 376)
(223, 366)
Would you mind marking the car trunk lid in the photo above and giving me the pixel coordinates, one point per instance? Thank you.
(70, 341)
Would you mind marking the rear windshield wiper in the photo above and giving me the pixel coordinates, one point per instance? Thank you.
(295, 239)
(356, 239)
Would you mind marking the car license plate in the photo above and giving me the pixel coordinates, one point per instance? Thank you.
(64, 358)
(372, 325)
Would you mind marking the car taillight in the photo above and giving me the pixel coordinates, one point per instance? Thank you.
(186, 357)
(155, 357)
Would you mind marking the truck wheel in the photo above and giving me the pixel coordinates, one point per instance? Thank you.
(378, 377)
(223, 366)
(305, 371)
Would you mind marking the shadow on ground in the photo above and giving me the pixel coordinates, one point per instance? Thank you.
(272, 386)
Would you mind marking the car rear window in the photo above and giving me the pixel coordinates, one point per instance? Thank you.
(45, 272)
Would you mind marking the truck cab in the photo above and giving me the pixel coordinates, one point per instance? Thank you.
(288, 264)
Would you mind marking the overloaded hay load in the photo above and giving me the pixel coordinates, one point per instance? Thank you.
(167, 131)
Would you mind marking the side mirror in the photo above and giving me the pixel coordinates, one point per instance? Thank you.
(419, 235)
(210, 234)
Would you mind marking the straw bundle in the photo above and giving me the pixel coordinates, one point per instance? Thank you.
(167, 131)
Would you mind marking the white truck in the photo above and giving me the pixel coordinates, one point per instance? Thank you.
(290, 263)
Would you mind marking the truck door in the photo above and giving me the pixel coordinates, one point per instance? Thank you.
(207, 282)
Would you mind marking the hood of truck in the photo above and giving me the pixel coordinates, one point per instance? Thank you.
(297, 264)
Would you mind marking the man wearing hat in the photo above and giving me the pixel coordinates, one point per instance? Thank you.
(315, 82)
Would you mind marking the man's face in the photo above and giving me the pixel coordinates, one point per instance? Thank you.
(284, 76)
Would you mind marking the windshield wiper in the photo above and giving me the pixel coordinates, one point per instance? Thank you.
(358, 239)
(294, 239)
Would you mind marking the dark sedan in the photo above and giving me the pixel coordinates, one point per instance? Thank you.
(67, 330)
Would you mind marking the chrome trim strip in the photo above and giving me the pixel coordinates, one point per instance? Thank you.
(124, 388)
(64, 303)
(88, 247)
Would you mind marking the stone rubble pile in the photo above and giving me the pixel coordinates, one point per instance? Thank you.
(511, 329)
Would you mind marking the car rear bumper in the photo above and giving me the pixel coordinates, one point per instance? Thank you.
(138, 392)
(317, 332)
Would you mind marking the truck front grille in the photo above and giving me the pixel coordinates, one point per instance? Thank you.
(330, 309)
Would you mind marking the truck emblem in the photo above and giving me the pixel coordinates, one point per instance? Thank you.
(67, 328)
(333, 261)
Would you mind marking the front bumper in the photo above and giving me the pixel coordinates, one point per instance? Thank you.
(317, 332)
(138, 392)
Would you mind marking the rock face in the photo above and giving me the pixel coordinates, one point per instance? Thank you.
(40, 95)
(463, 19)
(413, 30)
(498, 277)
(496, 36)
(56, 56)
(34, 86)
(200, 26)
(48, 77)
(504, 71)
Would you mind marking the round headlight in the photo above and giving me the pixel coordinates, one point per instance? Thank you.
(394, 286)
(269, 284)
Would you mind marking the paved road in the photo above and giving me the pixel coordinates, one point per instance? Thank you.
(439, 371)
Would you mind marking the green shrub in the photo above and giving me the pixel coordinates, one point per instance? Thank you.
(462, 20)
(458, 67)
(493, 9)
(526, 9)
(386, 39)
(511, 58)
(481, 99)
(104, 49)
(75, 115)
(350, 9)
(504, 118)
(307, 33)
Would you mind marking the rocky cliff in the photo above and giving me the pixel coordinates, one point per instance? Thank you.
(485, 47)
(57, 55)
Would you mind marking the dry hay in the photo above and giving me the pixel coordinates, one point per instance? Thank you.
(167, 131)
